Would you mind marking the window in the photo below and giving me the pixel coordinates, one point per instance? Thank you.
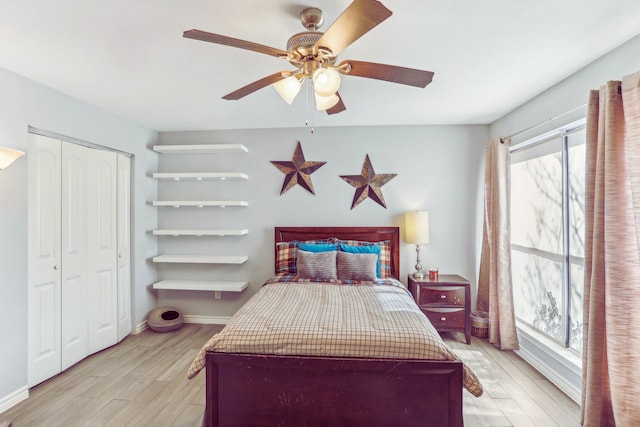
(547, 233)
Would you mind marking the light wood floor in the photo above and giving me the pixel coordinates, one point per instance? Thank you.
(141, 382)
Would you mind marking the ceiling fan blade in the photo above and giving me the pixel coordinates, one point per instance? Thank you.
(389, 73)
(338, 108)
(358, 18)
(230, 41)
(257, 85)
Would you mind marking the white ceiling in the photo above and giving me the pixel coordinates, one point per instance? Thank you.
(129, 56)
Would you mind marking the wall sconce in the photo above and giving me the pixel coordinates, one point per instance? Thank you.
(8, 156)
(417, 232)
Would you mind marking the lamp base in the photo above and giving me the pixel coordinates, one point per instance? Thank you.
(418, 273)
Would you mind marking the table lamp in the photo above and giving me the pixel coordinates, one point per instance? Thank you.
(417, 232)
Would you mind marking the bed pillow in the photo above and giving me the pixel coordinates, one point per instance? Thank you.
(317, 265)
(318, 247)
(356, 266)
(286, 254)
(286, 257)
(372, 249)
(385, 253)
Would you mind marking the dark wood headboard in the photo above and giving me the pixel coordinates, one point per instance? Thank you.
(369, 234)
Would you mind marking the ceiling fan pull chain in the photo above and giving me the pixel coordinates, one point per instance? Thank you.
(310, 107)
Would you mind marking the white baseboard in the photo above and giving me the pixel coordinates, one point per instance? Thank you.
(206, 320)
(13, 399)
(558, 380)
(534, 351)
(200, 320)
(141, 327)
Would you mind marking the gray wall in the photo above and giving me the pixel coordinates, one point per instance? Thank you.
(22, 104)
(438, 167)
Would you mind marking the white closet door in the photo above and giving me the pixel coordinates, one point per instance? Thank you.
(75, 345)
(44, 358)
(124, 246)
(102, 250)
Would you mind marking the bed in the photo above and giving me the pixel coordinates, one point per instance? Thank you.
(312, 349)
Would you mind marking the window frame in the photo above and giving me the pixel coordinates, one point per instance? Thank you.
(565, 258)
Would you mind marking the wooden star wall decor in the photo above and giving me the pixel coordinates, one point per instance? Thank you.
(297, 171)
(368, 184)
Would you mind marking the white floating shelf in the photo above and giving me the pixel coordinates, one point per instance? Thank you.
(200, 203)
(202, 259)
(201, 149)
(199, 176)
(195, 285)
(209, 232)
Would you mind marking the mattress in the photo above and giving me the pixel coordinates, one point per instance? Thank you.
(333, 319)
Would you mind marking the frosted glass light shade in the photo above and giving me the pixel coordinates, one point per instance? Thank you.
(8, 156)
(417, 227)
(326, 102)
(326, 81)
(288, 88)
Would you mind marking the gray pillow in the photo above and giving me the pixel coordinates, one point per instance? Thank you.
(317, 265)
(357, 266)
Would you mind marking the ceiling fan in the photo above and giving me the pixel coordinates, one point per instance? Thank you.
(314, 54)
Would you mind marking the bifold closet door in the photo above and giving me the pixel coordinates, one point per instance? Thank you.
(75, 344)
(102, 283)
(44, 279)
(78, 253)
(124, 246)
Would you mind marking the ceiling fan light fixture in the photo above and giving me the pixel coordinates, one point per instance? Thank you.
(326, 102)
(314, 53)
(288, 88)
(326, 82)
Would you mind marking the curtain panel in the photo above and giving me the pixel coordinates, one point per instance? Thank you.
(495, 294)
(611, 353)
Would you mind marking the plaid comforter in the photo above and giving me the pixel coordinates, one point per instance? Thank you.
(357, 319)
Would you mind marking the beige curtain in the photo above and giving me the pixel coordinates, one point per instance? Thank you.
(611, 353)
(495, 294)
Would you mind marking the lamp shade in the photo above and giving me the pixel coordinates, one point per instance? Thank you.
(326, 81)
(326, 102)
(8, 156)
(288, 88)
(416, 226)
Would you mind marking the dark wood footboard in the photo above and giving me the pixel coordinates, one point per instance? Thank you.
(263, 390)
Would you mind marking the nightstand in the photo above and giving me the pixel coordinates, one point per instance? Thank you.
(446, 302)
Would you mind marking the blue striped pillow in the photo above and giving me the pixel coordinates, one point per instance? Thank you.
(318, 247)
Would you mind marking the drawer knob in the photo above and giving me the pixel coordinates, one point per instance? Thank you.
(443, 318)
(443, 296)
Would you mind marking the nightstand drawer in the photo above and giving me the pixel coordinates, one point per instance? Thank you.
(446, 318)
(446, 302)
(446, 295)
